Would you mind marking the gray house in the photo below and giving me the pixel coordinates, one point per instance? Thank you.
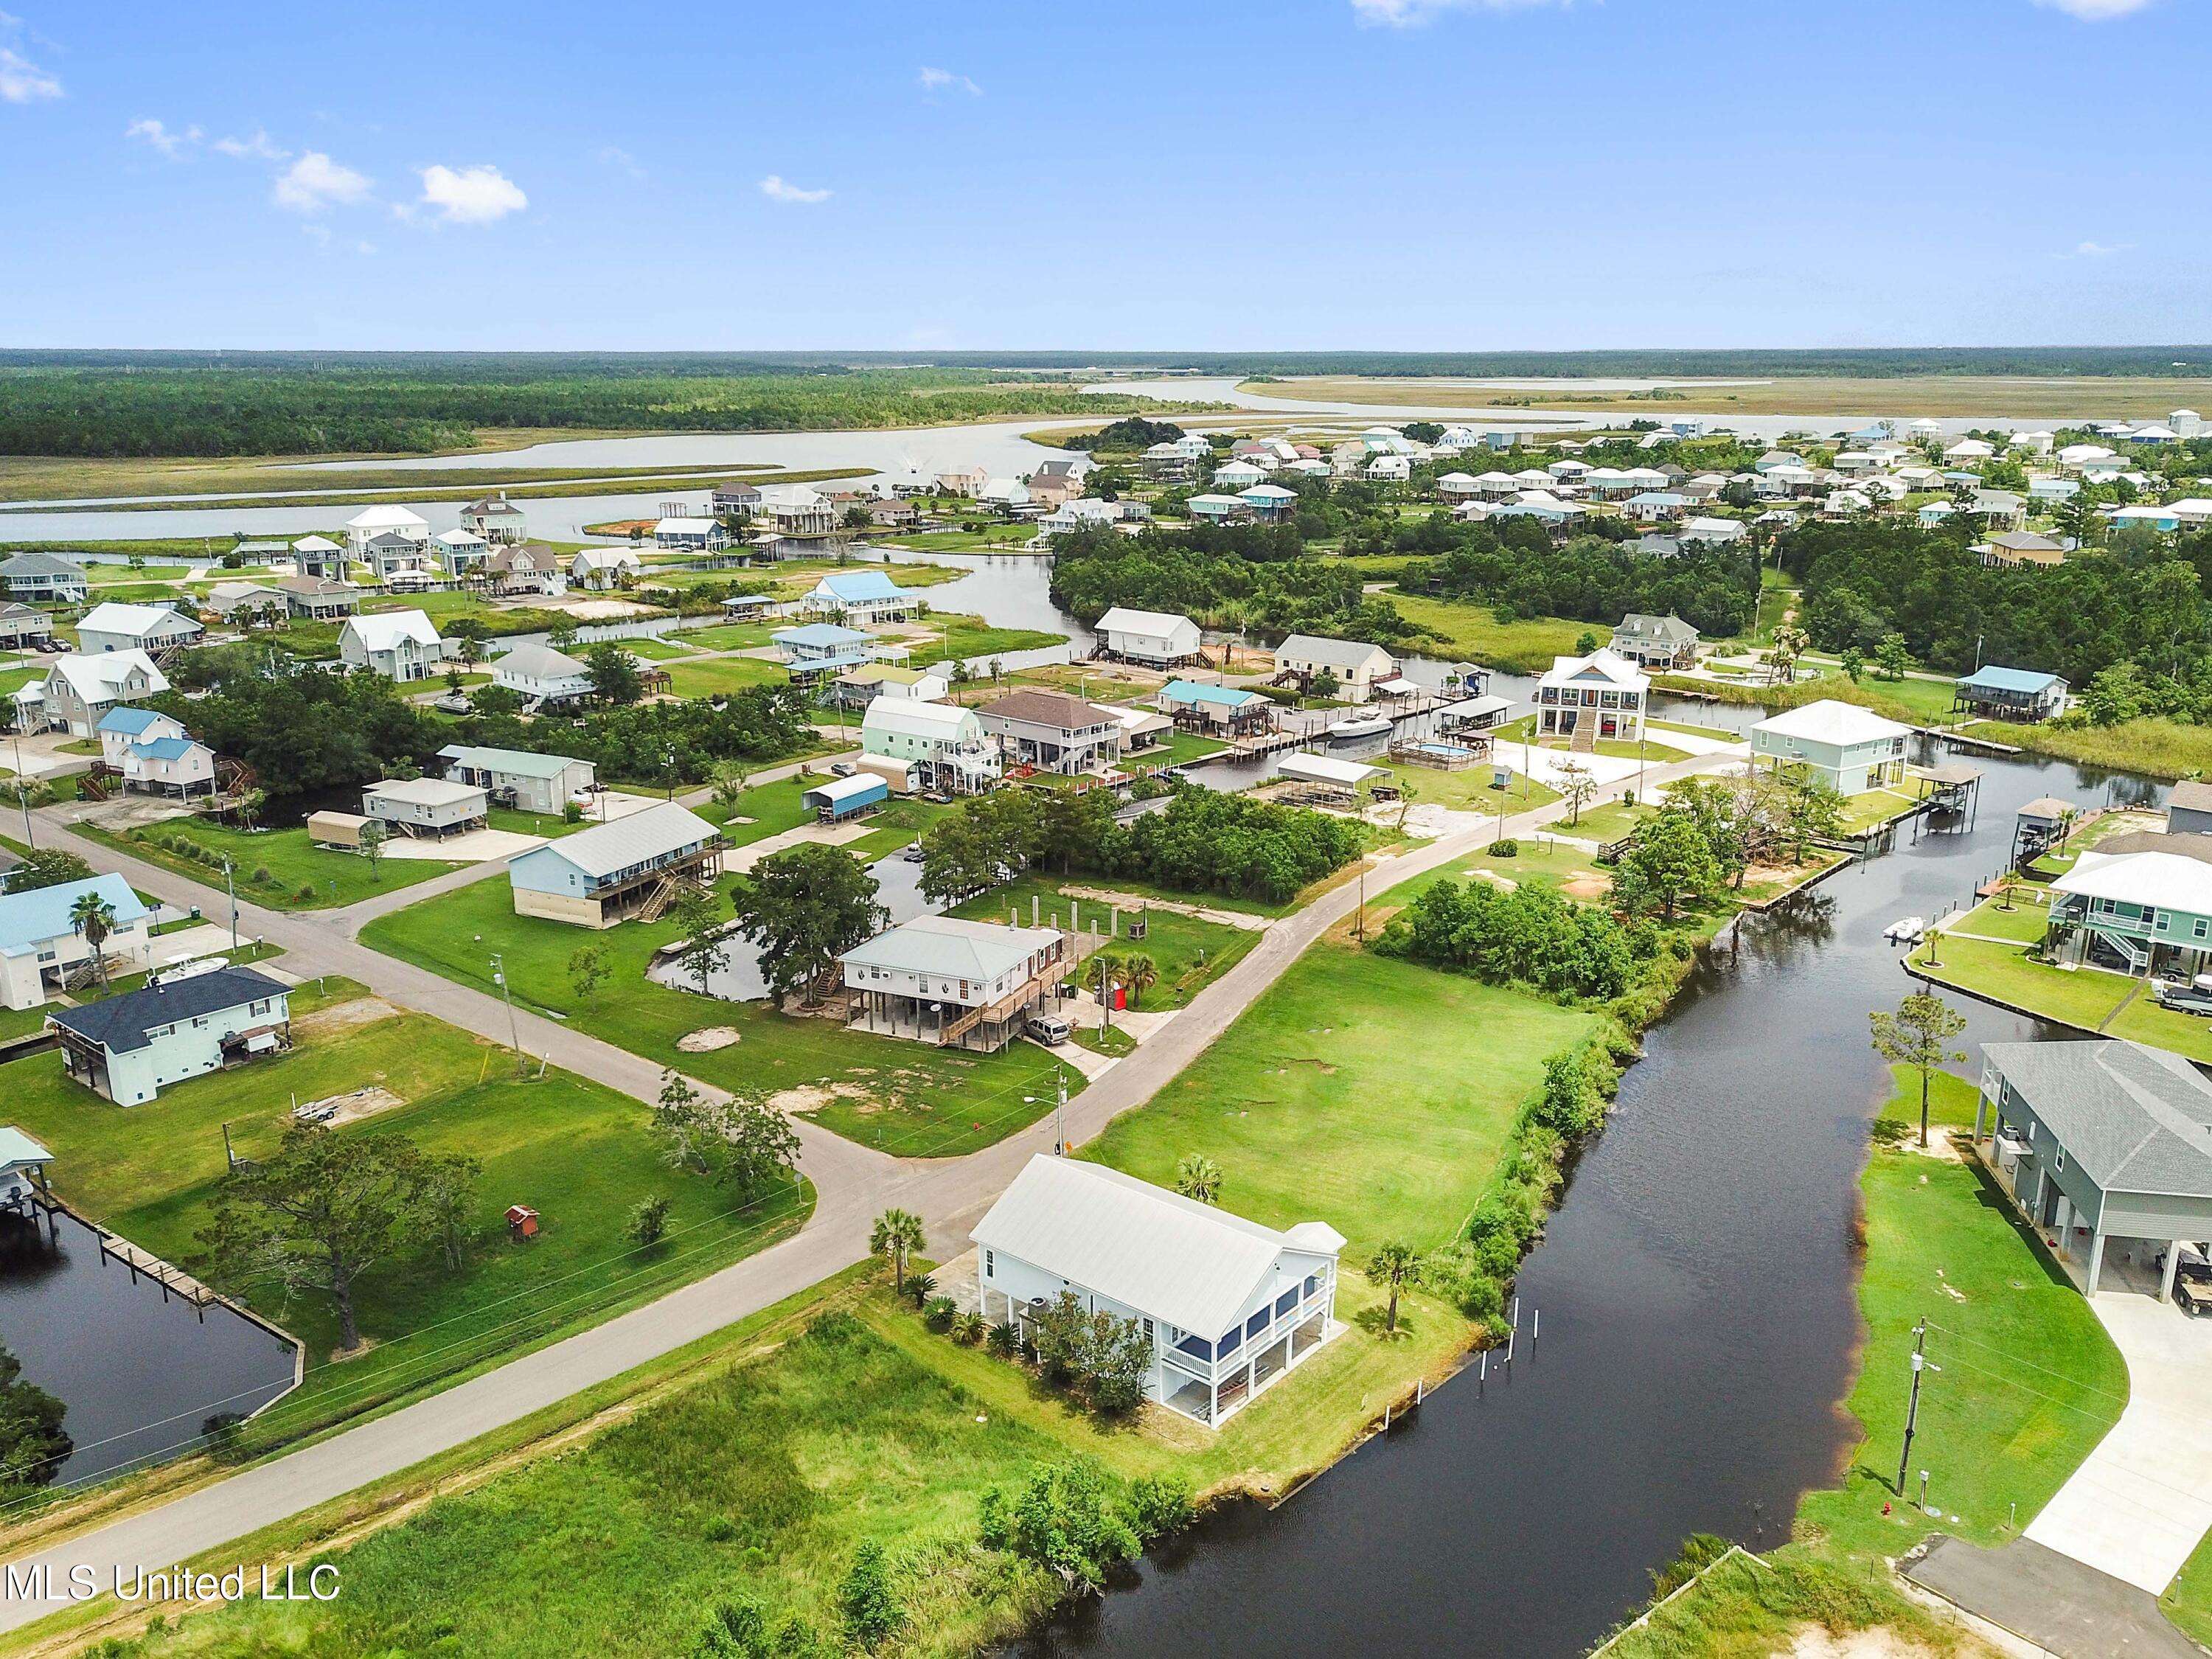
(2108, 1143)
(43, 576)
(1656, 641)
(2189, 808)
(1052, 732)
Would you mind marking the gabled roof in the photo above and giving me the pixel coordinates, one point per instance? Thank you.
(1227, 696)
(28, 919)
(520, 763)
(538, 662)
(2027, 681)
(98, 675)
(915, 717)
(40, 564)
(383, 631)
(1332, 653)
(1601, 664)
(2134, 1118)
(820, 634)
(139, 620)
(949, 947)
(1057, 709)
(18, 1149)
(164, 749)
(2168, 880)
(1196, 1266)
(119, 1024)
(129, 721)
(387, 518)
(606, 847)
(1830, 722)
(861, 586)
(1663, 630)
(1122, 619)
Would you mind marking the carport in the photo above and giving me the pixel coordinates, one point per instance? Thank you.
(2106, 1145)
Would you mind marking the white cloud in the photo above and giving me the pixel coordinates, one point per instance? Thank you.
(938, 80)
(257, 147)
(170, 144)
(21, 81)
(473, 196)
(614, 155)
(315, 182)
(1412, 14)
(2096, 11)
(2097, 250)
(777, 190)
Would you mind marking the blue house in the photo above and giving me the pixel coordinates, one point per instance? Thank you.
(1214, 706)
(860, 596)
(824, 648)
(2010, 694)
(42, 949)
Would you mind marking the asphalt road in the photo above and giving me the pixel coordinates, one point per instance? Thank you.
(853, 1184)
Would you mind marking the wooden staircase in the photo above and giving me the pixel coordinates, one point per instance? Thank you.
(1584, 740)
(662, 894)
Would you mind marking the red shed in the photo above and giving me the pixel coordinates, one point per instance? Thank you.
(521, 1221)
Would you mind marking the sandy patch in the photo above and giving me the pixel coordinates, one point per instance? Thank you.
(342, 1016)
(603, 609)
(705, 1041)
(826, 835)
(1587, 887)
(1880, 1643)
(813, 1097)
(355, 1104)
(476, 847)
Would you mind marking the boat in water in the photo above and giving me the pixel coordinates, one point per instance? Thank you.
(1361, 735)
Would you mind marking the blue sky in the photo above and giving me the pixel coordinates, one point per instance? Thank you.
(1408, 175)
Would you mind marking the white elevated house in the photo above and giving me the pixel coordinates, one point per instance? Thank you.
(2134, 911)
(1356, 664)
(320, 556)
(34, 575)
(154, 754)
(520, 778)
(371, 523)
(153, 628)
(1227, 1305)
(42, 949)
(183, 1022)
(796, 510)
(1159, 639)
(1850, 748)
(400, 645)
(601, 569)
(1602, 698)
(460, 552)
(633, 866)
(428, 808)
(954, 983)
(498, 521)
(538, 673)
(691, 535)
(928, 745)
(79, 689)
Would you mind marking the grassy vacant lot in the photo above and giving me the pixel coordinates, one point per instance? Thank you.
(1863, 811)
(579, 1152)
(1473, 631)
(293, 863)
(2068, 397)
(1181, 747)
(2109, 1004)
(2161, 748)
(909, 1099)
(724, 636)
(706, 677)
(1370, 1094)
(2029, 1384)
(962, 638)
(1190, 954)
(1652, 750)
(659, 650)
(1469, 789)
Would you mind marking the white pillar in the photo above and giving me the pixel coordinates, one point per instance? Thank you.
(2065, 1224)
(1981, 1106)
(2172, 1261)
(2096, 1258)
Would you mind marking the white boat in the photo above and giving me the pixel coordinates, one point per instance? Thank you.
(1910, 931)
(1365, 735)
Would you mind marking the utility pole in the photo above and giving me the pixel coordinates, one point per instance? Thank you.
(514, 1037)
(1912, 1406)
(1359, 927)
(1060, 1114)
(231, 887)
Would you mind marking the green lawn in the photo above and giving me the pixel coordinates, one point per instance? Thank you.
(705, 677)
(1657, 754)
(1188, 953)
(1473, 631)
(730, 636)
(1372, 1094)
(2023, 924)
(659, 650)
(293, 862)
(1183, 747)
(909, 1099)
(2084, 997)
(2161, 748)
(1861, 812)
(1607, 823)
(1690, 729)
(962, 638)
(1469, 789)
(579, 1152)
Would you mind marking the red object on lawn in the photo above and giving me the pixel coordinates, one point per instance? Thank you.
(521, 1221)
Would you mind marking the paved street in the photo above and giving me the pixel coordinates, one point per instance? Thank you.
(854, 1185)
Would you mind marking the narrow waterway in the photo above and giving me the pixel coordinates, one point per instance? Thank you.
(1698, 1321)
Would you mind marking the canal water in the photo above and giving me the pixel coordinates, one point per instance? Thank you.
(141, 1374)
(1699, 1324)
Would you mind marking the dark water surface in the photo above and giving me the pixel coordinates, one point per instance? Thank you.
(1698, 1320)
(140, 1375)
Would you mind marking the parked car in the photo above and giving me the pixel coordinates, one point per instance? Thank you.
(1049, 1029)
(914, 854)
(843, 768)
(2185, 1000)
(452, 703)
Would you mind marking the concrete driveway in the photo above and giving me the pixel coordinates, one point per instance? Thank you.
(2139, 1503)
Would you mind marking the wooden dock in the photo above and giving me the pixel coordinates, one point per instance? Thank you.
(142, 1264)
(1957, 741)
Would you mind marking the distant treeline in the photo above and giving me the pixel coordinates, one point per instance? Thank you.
(306, 406)
(2140, 361)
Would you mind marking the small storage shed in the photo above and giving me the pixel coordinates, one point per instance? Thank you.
(336, 829)
(843, 798)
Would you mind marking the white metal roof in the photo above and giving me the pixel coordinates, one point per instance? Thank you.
(383, 631)
(95, 676)
(387, 518)
(1326, 769)
(2168, 880)
(112, 617)
(1605, 663)
(605, 849)
(424, 792)
(950, 947)
(915, 718)
(684, 527)
(1155, 623)
(1843, 724)
(315, 544)
(1335, 654)
(1190, 1264)
(538, 662)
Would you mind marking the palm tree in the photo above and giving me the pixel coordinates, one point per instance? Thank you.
(896, 1236)
(94, 917)
(1140, 973)
(1393, 1268)
(250, 807)
(1199, 1177)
